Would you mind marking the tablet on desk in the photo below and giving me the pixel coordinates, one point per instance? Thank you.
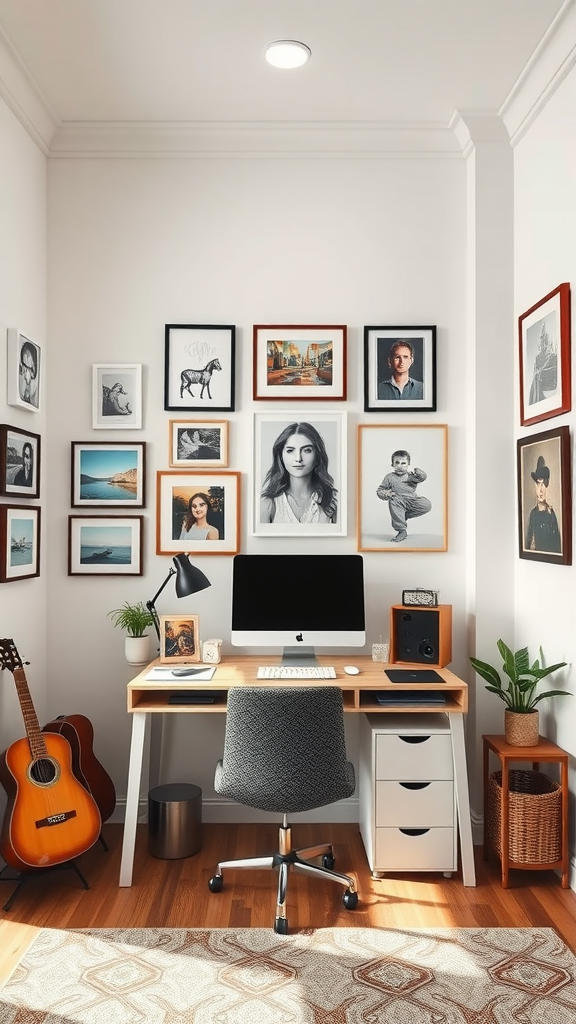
(413, 675)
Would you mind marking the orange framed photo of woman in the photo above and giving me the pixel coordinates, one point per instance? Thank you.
(197, 513)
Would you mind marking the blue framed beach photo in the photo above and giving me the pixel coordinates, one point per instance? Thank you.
(105, 545)
(109, 475)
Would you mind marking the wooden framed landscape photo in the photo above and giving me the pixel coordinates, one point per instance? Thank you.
(179, 639)
(545, 359)
(399, 369)
(108, 475)
(197, 512)
(198, 443)
(293, 363)
(199, 367)
(19, 542)
(105, 545)
(117, 397)
(299, 474)
(19, 462)
(25, 371)
(545, 497)
(402, 487)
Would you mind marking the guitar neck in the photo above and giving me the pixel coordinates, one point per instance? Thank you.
(33, 732)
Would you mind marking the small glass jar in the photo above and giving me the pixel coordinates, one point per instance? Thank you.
(380, 652)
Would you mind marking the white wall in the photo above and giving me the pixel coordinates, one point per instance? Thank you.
(135, 244)
(545, 229)
(23, 305)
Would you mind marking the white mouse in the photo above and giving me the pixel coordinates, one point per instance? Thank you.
(351, 670)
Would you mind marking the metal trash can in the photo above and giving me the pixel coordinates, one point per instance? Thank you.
(174, 820)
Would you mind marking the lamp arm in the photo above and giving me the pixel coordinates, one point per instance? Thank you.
(151, 605)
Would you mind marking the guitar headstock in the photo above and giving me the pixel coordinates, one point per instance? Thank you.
(9, 657)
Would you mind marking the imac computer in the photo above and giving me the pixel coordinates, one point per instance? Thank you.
(298, 603)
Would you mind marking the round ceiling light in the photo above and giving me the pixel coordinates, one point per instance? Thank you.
(287, 53)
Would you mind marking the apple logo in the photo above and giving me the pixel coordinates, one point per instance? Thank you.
(299, 637)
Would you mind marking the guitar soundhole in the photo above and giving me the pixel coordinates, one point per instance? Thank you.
(44, 771)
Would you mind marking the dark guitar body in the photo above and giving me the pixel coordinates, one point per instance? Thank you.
(78, 730)
(45, 823)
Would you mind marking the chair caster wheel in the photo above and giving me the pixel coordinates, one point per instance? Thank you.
(350, 899)
(281, 926)
(328, 861)
(215, 884)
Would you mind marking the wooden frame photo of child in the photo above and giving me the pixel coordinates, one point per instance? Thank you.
(402, 488)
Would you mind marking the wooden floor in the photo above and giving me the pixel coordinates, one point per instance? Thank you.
(174, 893)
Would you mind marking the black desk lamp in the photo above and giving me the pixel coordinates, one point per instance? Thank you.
(189, 580)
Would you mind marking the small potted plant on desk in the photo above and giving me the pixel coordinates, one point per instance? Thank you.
(135, 619)
(521, 718)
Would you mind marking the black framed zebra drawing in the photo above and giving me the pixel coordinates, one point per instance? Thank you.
(199, 367)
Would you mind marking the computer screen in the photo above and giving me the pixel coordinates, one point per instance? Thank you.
(298, 602)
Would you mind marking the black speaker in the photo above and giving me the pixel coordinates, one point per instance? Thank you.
(421, 635)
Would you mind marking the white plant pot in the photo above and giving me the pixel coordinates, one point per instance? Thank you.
(137, 650)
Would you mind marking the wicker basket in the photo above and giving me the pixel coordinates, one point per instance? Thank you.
(534, 817)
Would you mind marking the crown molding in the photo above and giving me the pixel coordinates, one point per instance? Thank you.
(24, 98)
(551, 62)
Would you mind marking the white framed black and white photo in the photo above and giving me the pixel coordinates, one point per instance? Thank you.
(105, 545)
(402, 487)
(199, 369)
(299, 474)
(117, 396)
(198, 443)
(19, 462)
(399, 369)
(25, 371)
(19, 542)
(108, 474)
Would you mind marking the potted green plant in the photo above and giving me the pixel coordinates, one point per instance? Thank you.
(135, 619)
(521, 719)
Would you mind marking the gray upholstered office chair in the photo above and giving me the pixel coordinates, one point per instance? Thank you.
(285, 751)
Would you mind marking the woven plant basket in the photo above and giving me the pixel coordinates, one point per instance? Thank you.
(521, 730)
(534, 817)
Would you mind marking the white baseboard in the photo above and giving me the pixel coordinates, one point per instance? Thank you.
(218, 811)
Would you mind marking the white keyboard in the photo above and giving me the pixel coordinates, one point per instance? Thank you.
(296, 672)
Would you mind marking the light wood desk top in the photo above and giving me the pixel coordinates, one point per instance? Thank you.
(358, 691)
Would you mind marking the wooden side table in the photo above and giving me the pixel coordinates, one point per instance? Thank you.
(544, 751)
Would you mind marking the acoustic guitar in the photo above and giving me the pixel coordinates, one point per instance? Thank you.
(50, 817)
(79, 732)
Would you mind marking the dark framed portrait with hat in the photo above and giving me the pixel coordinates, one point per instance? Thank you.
(545, 497)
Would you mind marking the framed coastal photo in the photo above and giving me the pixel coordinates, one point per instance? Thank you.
(299, 474)
(544, 357)
(105, 545)
(402, 487)
(179, 639)
(19, 462)
(24, 371)
(197, 512)
(293, 363)
(399, 369)
(109, 475)
(19, 542)
(199, 367)
(116, 397)
(198, 443)
(545, 497)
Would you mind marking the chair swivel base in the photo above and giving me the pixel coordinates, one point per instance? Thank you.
(285, 859)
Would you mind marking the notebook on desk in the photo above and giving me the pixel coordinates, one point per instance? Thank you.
(413, 675)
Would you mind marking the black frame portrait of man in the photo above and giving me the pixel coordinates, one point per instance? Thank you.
(13, 443)
(545, 497)
(407, 388)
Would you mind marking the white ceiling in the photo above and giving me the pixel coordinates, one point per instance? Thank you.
(203, 60)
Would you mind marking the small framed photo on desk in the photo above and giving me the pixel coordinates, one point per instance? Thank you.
(179, 639)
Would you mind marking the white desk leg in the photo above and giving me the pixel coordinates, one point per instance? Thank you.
(462, 798)
(132, 796)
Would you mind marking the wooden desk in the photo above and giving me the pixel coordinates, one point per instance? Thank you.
(147, 698)
(544, 751)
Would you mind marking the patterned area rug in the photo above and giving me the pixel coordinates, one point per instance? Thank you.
(324, 976)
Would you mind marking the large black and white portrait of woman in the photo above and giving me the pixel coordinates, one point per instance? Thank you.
(299, 474)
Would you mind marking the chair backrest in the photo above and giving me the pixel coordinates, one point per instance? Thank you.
(285, 748)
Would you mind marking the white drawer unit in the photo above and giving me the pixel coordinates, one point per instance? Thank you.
(408, 818)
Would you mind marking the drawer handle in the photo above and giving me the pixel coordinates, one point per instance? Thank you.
(415, 785)
(414, 831)
(414, 739)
